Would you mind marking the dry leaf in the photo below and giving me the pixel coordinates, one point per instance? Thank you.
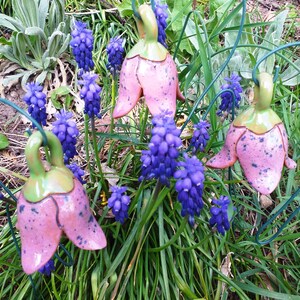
(265, 201)
(110, 174)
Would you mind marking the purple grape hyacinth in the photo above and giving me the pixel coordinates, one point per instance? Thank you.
(90, 93)
(67, 132)
(220, 214)
(119, 202)
(36, 101)
(200, 136)
(189, 185)
(47, 268)
(77, 171)
(82, 46)
(161, 14)
(160, 161)
(115, 53)
(233, 83)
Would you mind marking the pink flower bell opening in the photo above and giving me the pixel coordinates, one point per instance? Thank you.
(52, 203)
(148, 70)
(258, 140)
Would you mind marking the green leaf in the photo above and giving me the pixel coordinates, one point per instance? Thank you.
(35, 31)
(181, 9)
(68, 101)
(61, 91)
(290, 76)
(43, 12)
(10, 23)
(4, 41)
(271, 41)
(55, 101)
(4, 143)
(125, 8)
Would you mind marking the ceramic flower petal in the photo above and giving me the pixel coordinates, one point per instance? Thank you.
(41, 225)
(258, 140)
(148, 70)
(227, 156)
(39, 232)
(160, 90)
(77, 221)
(51, 203)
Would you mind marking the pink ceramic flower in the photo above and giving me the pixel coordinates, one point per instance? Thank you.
(258, 140)
(148, 70)
(50, 204)
(42, 224)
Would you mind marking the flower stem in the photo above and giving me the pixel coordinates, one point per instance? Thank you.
(98, 163)
(86, 145)
(113, 102)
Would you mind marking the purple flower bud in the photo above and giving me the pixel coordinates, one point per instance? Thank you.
(119, 202)
(77, 171)
(67, 133)
(189, 185)
(47, 268)
(36, 101)
(161, 14)
(227, 98)
(82, 46)
(200, 136)
(220, 215)
(163, 150)
(90, 93)
(115, 52)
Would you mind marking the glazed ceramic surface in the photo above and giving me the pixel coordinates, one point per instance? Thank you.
(157, 81)
(52, 203)
(258, 140)
(148, 70)
(261, 156)
(42, 224)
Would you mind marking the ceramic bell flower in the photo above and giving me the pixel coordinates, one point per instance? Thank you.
(148, 70)
(258, 140)
(52, 202)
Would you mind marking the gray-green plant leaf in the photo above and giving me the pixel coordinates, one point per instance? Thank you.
(291, 76)
(271, 41)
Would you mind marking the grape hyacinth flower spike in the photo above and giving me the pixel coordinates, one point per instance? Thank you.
(233, 83)
(119, 202)
(258, 139)
(36, 101)
(200, 136)
(148, 70)
(90, 93)
(189, 185)
(52, 203)
(82, 46)
(160, 161)
(115, 53)
(47, 268)
(161, 15)
(67, 132)
(219, 214)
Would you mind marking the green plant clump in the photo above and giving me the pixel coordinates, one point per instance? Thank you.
(155, 248)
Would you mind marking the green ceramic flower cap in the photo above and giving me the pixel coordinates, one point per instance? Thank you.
(259, 117)
(148, 47)
(40, 184)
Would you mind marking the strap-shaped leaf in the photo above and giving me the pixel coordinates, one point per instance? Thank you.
(35, 31)
(43, 12)
(7, 52)
(26, 11)
(11, 23)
